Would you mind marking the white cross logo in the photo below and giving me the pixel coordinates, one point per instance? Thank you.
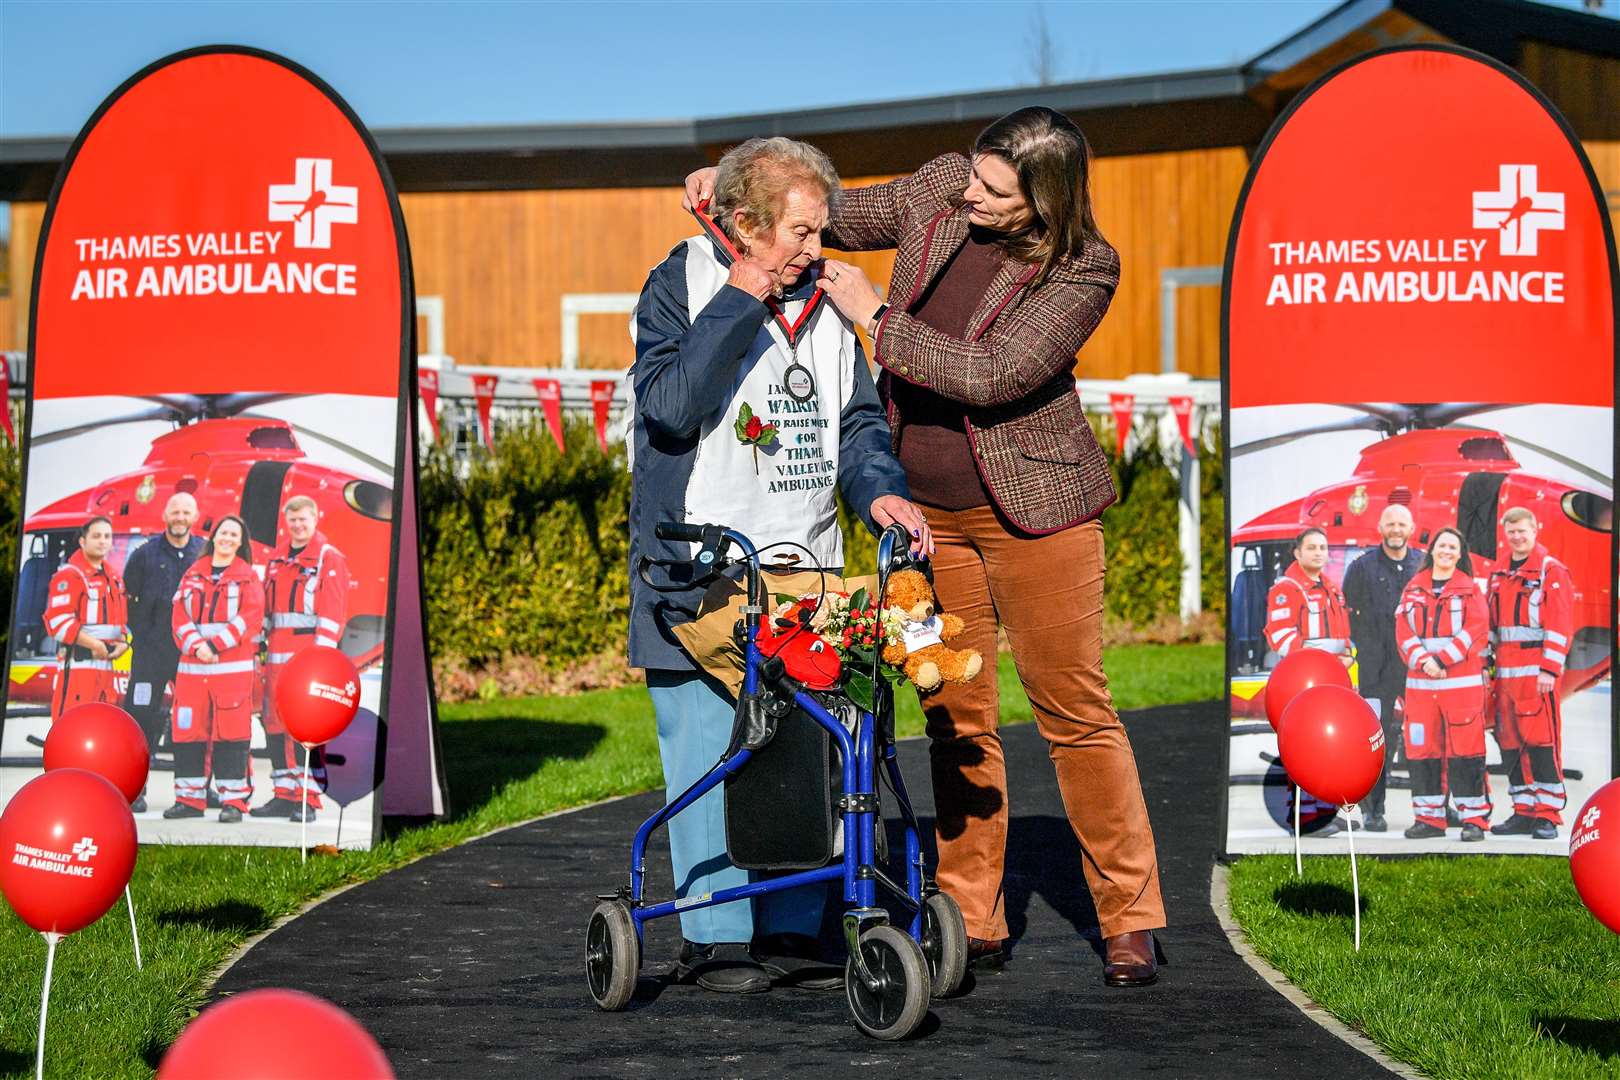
(1590, 818)
(313, 203)
(1517, 211)
(85, 849)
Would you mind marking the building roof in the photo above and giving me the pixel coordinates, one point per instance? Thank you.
(1182, 110)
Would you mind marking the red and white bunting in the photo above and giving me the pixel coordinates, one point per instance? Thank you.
(601, 401)
(484, 396)
(550, 393)
(427, 385)
(5, 400)
(1123, 405)
(1183, 407)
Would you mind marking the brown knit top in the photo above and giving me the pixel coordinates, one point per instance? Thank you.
(934, 446)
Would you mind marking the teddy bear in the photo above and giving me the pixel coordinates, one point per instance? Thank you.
(926, 659)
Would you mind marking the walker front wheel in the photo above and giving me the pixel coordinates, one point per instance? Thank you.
(944, 944)
(612, 955)
(894, 1007)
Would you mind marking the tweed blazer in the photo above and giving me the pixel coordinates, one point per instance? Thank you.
(1031, 443)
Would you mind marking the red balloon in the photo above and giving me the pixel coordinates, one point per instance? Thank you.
(321, 1041)
(103, 739)
(67, 848)
(317, 694)
(1332, 744)
(1594, 854)
(1299, 671)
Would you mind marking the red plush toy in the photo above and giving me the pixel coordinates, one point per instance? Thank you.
(805, 654)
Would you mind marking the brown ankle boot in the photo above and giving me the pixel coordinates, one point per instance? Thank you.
(1130, 959)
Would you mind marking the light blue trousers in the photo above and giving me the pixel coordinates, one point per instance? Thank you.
(694, 729)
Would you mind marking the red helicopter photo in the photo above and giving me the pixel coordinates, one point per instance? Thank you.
(302, 485)
(1315, 488)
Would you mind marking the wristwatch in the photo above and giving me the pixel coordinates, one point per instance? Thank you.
(877, 317)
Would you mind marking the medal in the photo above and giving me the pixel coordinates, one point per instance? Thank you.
(798, 382)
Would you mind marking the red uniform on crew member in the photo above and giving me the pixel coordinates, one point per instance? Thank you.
(1440, 629)
(87, 614)
(1305, 610)
(218, 615)
(1532, 612)
(307, 596)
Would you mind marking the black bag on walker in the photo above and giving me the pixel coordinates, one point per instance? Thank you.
(779, 807)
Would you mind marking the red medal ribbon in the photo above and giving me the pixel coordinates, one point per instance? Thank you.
(790, 329)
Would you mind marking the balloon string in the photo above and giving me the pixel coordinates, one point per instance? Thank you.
(133, 933)
(303, 811)
(45, 1002)
(1355, 882)
(1299, 867)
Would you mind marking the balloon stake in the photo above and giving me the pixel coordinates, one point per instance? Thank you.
(45, 1002)
(338, 843)
(133, 933)
(1299, 866)
(1355, 883)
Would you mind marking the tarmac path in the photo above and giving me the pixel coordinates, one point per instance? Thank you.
(470, 963)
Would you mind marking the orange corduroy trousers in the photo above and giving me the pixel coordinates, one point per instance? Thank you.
(1047, 593)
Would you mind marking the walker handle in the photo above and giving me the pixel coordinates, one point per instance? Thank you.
(675, 530)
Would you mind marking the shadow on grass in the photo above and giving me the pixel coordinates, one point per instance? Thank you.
(1316, 898)
(483, 756)
(15, 1061)
(1601, 1037)
(228, 916)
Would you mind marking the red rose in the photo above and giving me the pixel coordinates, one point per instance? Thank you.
(755, 426)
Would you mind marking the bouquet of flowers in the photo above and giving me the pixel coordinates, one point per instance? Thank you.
(856, 628)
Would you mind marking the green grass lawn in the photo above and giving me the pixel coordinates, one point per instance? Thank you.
(1469, 966)
(507, 761)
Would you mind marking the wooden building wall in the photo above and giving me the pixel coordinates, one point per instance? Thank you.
(503, 260)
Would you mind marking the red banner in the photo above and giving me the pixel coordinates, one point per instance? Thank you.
(274, 235)
(427, 385)
(601, 402)
(222, 313)
(550, 393)
(1420, 355)
(1478, 237)
(484, 396)
(5, 400)
(1123, 405)
(1182, 407)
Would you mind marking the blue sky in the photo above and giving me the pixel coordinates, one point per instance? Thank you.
(436, 63)
(432, 63)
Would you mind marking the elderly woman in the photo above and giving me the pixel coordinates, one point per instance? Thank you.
(1000, 275)
(752, 398)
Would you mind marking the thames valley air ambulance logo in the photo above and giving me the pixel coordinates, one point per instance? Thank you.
(1517, 211)
(314, 204)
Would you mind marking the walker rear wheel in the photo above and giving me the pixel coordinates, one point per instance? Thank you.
(612, 955)
(944, 944)
(893, 1009)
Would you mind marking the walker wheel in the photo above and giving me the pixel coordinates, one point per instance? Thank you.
(612, 955)
(944, 944)
(900, 1001)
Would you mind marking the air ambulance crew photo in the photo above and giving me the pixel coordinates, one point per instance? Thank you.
(306, 586)
(1305, 610)
(87, 615)
(1441, 628)
(1532, 613)
(218, 614)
